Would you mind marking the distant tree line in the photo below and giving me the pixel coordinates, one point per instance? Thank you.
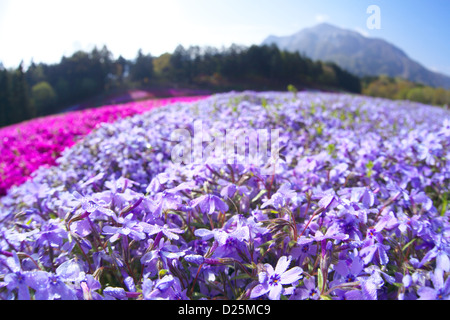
(257, 67)
(44, 89)
(15, 103)
(401, 89)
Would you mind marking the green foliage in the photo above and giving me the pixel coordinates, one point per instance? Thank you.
(88, 87)
(255, 67)
(369, 166)
(44, 89)
(4, 97)
(331, 148)
(293, 89)
(161, 64)
(15, 95)
(43, 96)
(142, 69)
(396, 88)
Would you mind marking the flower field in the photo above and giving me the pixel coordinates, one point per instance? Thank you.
(350, 202)
(27, 146)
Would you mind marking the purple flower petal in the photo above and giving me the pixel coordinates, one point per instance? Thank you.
(291, 276)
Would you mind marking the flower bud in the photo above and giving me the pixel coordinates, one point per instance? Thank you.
(194, 258)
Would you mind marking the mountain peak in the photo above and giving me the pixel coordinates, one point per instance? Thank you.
(325, 26)
(357, 54)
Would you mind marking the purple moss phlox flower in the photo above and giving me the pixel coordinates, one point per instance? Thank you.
(71, 271)
(373, 246)
(327, 199)
(158, 182)
(240, 234)
(271, 281)
(376, 251)
(54, 286)
(208, 203)
(115, 292)
(350, 294)
(184, 186)
(440, 252)
(18, 279)
(305, 248)
(227, 242)
(414, 223)
(160, 202)
(198, 259)
(375, 280)
(420, 197)
(88, 287)
(441, 290)
(52, 234)
(47, 286)
(349, 224)
(229, 190)
(170, 233)
(163, 251)
(353, 271)
(57, 289)
(349, 272)
(130, 227)
(397, 190)
(281, 197)
(332, 233)
(309, 291)
(91, 205)
(167, 288)
(147, 287)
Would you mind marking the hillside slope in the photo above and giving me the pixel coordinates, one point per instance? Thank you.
(357, 54)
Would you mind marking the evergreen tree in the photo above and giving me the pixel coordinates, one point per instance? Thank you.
(4, 97)
(19, 101)
(180, 65)
(142, 69)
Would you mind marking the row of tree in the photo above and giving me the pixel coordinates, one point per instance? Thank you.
(44, 89)
(255, 66)
(15, 103)
(401, 89)
(49, 88)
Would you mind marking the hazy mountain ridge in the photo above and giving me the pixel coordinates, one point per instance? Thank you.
(357, 54)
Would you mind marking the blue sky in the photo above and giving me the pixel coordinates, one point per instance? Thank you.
(46, 30)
